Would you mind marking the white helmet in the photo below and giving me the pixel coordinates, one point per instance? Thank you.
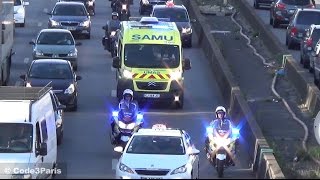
(221, 109)
(128, 92)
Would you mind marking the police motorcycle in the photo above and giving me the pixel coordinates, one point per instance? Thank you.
(124, 10)
(220, 152)
(126, 124)
(90, 4)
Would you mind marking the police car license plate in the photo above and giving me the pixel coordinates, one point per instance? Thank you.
(124, 138)
(151, 95)
(71, 28)
(151, 178)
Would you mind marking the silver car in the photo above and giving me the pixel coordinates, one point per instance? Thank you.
(56, 44)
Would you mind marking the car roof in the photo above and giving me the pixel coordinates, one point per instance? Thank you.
(69, 3)
(161, 6)
(153, 132)
(56, 61)
(55, 30)
(14, 111)
(308, 9)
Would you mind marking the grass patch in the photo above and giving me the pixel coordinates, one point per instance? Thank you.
(315, 152)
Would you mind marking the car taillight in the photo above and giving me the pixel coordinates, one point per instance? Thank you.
(281, 6)
(309, 42)
(294, 31)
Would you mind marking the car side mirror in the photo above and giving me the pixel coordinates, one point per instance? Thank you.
(43, 151)
(78, 43)
(61, 107)
(118, 149)
(26, 3)
(78, 78)
(194, 151)
(186, 64)
(32, 43)
(23, 77)
(193, 20)
(116, 63)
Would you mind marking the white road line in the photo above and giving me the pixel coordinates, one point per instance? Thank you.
(17, 83)
(214, 31)
(26, 60)
(114, 164)
(39, 24)
(113, 93)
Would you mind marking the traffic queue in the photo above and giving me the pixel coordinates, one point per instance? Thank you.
(148, 57)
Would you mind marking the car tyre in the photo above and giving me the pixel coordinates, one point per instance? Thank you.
(256, 5)
(275, 23)
(311, 69)
(75, 67)
(23, 24)
(75, 105)
(290, 45)
(188, 44)
(315, 80)
(60, 138)
(88, 36)
(270, 20)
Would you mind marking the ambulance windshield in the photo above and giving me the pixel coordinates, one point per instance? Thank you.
(151, 56)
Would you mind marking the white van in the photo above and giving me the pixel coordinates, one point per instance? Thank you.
(28, 142)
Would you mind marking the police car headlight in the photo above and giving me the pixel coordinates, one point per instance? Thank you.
(70, 89)
(181, 169)
(54, 23)
(85, 23)
(175, 75)
(125, 168)
(38, 53)
(122, 125)
(72, 53)
(145, 1)
(127, 74)
(113, 33)
(186, 30)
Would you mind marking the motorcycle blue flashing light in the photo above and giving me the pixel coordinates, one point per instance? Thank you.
(115, 113)
(209, 130)
(235, 132)
(139, 117)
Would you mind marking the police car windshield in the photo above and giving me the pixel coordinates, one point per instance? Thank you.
(151, 56)
(55, 38)
(15, 138)
(169, 145)
(69, 10)
(175, 15)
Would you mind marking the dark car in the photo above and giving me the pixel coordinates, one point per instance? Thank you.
(90, 5)
(281, 11)
(146, 6)
(57, 44)
(63, 79)
(179, 15)
(58, 113)
(299, 24)
(308, 44)
(258, 3)
(72, 16)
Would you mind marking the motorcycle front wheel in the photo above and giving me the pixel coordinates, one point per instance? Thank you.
(220, 167)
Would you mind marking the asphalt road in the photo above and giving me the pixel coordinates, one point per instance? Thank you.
(86, 151)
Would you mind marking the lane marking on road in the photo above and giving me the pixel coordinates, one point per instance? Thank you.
(17, 83)
(45, 10)
(26, 60)
(114, 164)
(215, 31)
(113, 93)
(39, 24)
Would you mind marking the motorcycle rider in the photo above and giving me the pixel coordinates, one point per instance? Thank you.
(117, 6)
(112, 25)
(127, 107)
(221, 123)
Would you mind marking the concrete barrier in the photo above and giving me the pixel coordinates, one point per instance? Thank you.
(264, 163)
(298, 77)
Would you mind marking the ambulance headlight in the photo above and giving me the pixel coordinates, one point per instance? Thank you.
(186, 30)
(145, 1)
(176, 75)
(127, 74)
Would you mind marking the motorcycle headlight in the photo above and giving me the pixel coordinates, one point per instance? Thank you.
(222, 142)
(28, 84)
(124, 6)
(181, 169)
(85, 23)
(90, 3)
(139, 117)
(72, 53)
(131, 126)
(186, 30)
(145, 1)
(70, 89)
(113, 33)
(38, 53)
(125, 168)
(115, 113)
(122, 125)
(127, 74)
(54, 23)
(175, 75)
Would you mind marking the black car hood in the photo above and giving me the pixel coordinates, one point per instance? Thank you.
(181, 25)
(70, 18)
(56, 84)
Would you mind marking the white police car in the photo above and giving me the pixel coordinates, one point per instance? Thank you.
(158, 153)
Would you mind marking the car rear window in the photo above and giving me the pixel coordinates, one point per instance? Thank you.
(297, 2)
(175, 15)
(69, 10)
(308, 18)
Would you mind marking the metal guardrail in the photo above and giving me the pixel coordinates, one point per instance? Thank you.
(23, 93)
